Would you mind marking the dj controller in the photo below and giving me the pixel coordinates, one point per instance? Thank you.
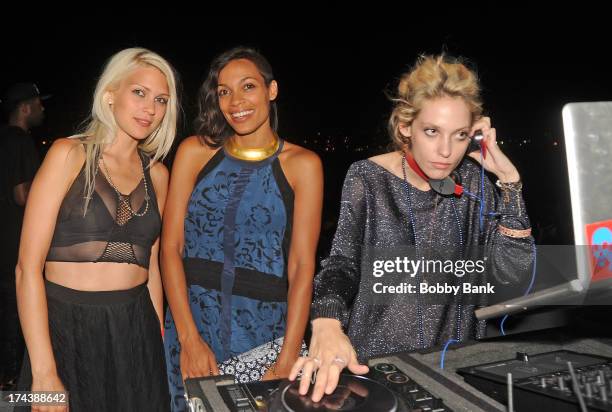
(560, 381)
(384, 388)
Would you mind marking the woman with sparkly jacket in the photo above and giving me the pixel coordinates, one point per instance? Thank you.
(410, 197)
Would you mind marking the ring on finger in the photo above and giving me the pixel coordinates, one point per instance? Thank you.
(339, 360)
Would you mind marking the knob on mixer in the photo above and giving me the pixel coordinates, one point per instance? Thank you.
(522, 356)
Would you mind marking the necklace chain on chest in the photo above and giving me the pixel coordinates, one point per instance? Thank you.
(126, 199)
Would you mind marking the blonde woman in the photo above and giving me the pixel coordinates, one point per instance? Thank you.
(93, 323)
(389, 201)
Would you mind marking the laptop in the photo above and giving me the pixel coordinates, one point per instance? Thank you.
(588, 142)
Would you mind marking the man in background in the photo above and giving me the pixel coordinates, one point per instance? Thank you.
(19, 161)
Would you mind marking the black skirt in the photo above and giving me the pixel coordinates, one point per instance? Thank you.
(108, 350)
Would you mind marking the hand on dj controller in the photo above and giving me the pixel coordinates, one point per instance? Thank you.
(336, 400)
(197, 359)
(329, 353)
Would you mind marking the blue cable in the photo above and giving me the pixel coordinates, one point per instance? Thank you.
(501, 325)
(480, 198)
(472, 195)
(482, 192)
(481, 214)
(533, 273)
(421, 336)
(444, 351)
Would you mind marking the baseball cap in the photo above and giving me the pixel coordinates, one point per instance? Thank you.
(20, 92)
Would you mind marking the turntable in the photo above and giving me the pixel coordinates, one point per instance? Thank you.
(384, 388)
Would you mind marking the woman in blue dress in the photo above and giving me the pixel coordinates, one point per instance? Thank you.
(240, 233)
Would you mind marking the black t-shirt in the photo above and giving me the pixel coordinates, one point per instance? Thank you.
(19, 161)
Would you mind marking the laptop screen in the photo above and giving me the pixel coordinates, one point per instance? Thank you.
(588, 142)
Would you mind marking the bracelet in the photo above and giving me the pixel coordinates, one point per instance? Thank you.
(515, 233)
(515, 187)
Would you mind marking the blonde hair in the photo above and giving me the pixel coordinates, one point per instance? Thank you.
(432, 77)
(101, 128)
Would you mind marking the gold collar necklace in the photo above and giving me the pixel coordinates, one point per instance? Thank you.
(252, 154)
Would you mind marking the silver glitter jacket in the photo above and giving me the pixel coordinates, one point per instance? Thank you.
(374, 212)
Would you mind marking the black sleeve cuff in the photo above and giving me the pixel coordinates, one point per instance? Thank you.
(329, 307)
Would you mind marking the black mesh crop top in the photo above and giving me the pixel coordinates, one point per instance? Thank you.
(109, 231)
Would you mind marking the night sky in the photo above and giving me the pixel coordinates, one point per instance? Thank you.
(333, 74)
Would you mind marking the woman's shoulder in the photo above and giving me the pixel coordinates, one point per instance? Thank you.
(196, 143)
(383, 165)
(62, 164)
(68, 151)
(193, 152)
(387, 160)
(300, 163)
(67, 143)
(159, 172)
(295, 153)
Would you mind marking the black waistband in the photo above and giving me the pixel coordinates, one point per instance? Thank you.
(86, 297)
(248, 283)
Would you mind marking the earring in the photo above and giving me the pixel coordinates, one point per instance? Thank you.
(110, 102)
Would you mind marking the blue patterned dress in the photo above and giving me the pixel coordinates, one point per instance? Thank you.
(237, 234)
